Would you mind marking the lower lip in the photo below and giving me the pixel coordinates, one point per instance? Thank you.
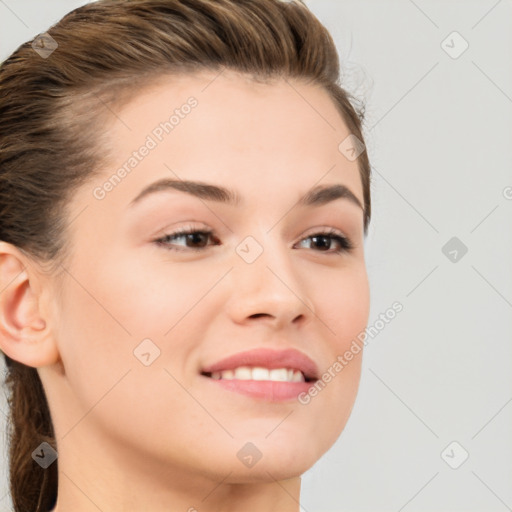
(267, 390)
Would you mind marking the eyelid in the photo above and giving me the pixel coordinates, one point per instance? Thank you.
(191, 226)
(324, 229)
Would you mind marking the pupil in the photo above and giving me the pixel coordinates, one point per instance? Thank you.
(325, 245)
(195, 236)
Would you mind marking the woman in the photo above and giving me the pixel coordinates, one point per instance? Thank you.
(184, 197)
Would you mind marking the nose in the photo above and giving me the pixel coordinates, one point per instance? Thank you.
(269, 290)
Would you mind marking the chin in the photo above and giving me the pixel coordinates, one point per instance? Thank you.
(284, 457)
(270, 470)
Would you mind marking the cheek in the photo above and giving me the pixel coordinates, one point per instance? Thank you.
(102, 321)
(344, 306)
(155, 298)
(108, 311)
(127, 299)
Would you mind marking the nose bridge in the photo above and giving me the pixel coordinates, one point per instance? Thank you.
(266, 282)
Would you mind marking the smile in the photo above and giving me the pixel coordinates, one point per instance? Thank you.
(269, 375)
(260, 373)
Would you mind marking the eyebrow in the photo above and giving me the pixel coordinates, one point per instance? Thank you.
(317, 196)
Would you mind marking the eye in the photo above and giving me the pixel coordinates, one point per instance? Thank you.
(196, 237)
(324, 241)
(197, 240)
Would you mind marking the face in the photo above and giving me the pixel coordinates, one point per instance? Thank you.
(158, 329)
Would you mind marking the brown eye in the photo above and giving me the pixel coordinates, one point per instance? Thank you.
(194, 239)
(325, 241)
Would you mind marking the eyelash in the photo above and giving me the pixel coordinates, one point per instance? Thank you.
(345, 244)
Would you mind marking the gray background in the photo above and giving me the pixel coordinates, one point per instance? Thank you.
(438, 132)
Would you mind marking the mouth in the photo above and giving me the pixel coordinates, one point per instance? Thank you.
(259, 373)
(269, 375)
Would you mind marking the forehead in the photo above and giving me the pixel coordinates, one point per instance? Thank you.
(230, 129)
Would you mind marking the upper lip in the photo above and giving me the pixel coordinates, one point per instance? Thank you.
(268, 358)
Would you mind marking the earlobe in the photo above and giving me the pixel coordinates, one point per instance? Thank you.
(25, 335)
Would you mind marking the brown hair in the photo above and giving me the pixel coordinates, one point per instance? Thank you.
(51, 110)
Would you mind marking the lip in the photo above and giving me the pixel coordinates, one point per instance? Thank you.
(269, 391)
(268, 358)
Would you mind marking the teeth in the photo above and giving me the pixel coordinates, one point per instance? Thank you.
(228, 374)
(298, 377)
(279, 374)
(259, 373)
(241, 373)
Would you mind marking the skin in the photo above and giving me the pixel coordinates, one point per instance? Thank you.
(161, 437)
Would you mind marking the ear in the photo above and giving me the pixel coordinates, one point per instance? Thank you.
(25, 334)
